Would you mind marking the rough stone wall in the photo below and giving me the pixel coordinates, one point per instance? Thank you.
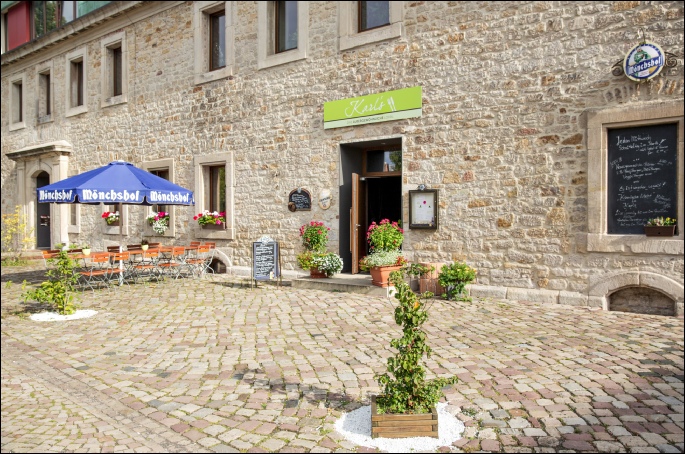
(502, 136)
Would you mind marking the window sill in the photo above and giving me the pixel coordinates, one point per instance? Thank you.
(76, 111)
(636, 244)
(114, 100)
(212, 75)
(17, 126)
(227, 234)
(371, 36)
(44, 119)
(282, 58)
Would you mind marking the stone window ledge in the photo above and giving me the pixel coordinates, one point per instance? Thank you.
(635, 244)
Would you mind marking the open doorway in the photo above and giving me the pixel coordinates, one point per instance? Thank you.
(43, 239)
(371, 191)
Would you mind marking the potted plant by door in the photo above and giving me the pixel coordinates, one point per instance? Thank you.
(314, 240)
(406, 406)
(385, 240)
(660, 226)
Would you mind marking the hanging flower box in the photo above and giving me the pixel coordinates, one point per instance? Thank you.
(221, 226)
(659, 230)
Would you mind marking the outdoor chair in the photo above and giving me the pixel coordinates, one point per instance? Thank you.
(95, 272)
(148, 266)
(119, 268)
(175, 262)
(48, 255)
(200, 262)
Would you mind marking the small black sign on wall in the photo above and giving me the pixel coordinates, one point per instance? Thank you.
(300, 200)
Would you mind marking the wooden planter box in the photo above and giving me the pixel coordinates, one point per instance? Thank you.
(214, 227)
(113, 224)
(660, 230)
(403, 425)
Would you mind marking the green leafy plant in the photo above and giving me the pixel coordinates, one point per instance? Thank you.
(305, 260)
(210, 217)
(329, 263)
(382, 258)
(404, 386)
(16, 236)
(454, 277)
(143, 242)
(58, 290)
(385, 236)
(419, 270)
(314, 236)
(661, 221)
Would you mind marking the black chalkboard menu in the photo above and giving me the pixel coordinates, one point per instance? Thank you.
(265, 261)
(300, 200)
(642, 176)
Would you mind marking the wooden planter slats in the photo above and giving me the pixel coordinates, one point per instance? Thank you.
(403, 425)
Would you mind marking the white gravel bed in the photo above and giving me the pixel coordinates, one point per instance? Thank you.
(55, 317)
(356, 428)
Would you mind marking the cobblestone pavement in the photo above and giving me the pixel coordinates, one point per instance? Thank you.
(213, 366)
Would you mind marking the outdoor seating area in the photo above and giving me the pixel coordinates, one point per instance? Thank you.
(133, 264)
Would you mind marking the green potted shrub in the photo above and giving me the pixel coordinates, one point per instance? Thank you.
(385, 240)
(406, 393)
(58, 290)
(314, 236)
(328, 263)
(453, 278)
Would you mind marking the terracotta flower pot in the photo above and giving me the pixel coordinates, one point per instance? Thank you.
(381, 274)
(314, 273)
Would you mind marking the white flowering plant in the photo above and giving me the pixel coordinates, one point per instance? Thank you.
(329, 263)
(159, 221)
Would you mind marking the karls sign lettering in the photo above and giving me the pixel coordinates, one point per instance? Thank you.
(644, 61)
(374, 108)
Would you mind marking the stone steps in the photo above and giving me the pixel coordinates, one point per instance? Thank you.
(350, 283)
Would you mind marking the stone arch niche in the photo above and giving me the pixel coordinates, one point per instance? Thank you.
(639, 291)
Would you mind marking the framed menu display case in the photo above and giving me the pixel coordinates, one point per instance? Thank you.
(423, 209)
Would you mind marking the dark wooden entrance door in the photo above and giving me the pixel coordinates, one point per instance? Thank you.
(358, 221)
(43, 239)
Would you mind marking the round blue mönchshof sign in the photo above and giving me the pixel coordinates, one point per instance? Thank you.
(644, 61)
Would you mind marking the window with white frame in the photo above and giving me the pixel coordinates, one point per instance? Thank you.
(213, 32)
(369, 22)
(214, 188)
(75, 82)
(45, 93)
(17, 102)
(282, 32)
(600, 124)
(114, 70)
(163, 168)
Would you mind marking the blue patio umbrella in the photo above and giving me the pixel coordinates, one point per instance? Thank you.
(117, 182)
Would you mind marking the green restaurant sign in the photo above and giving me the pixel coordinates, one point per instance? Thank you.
(387, 106)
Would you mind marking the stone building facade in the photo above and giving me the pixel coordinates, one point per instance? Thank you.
(517, 99)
